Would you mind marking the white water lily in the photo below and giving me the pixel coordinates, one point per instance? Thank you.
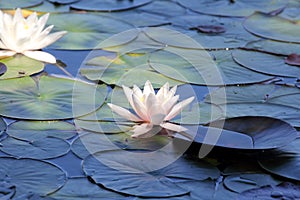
(26, 36)
(153, 110)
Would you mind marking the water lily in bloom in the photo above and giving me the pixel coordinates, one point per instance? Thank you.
(26, 36)
(153, 111)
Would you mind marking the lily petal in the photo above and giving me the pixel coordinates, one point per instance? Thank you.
(124, 113)
(178, 108)
(145, 130)
(148, 88)
(140, 108)
(41, 56)
(173, 127)
(6, 53)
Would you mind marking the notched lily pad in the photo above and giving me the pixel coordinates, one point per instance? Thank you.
(245, 133)
(293, 59)
(29, 175)
(132, 176)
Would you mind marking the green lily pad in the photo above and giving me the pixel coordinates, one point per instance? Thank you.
(259, 100)
(133, 174)
(275, 47)
(50, 7)
(283, 161)
(29, 175)
(241, 8)
(19, 66)
(265, 63)
(197, 67)
(38, 149)
(123, 70)
(89, 143)
(34, 130)
(49, 98)
(13, 4)
(85, 31)
(273, 27)
(108, 6)
(81, 188)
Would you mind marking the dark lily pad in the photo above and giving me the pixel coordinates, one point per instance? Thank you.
(273, 27)
(282, 191)
(49, 98)
(19, 66)
(283, 161)
(245, 133)
(276, 101)
(29, 175)
(3, 126)
(50, 7)
(63, 1)
(38, 149)
(194, 66)
(7, 191)
(293, 59)
(108, 5)
(3, 69)
(13, 4)
(239, 8)
(132, 177)
(209, 29)
(81, 188)
(34, 130)
(267, 63)
(85, 31)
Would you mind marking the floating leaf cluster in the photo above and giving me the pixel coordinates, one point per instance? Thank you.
(59, 139)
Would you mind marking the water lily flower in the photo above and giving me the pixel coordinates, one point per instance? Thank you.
(26, 36)
(152, 110)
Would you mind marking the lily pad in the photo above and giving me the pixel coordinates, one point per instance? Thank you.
(7, 191)
(137, 181)
(275, 47)
(293, 59)
(81, 188)
(245, 133)
(273, 27)
(34, 130)
(3, 69)
(192, 66)
(107, 5)
(283, 161)
(265, 63)
(85, 31)
(50, 7)
(284, 191)
(49, 98)
(123, 70)
(19, 66)
(37, 149)
(210, 31)
(63, 1)
(3, 126)
(29, 175)
(259, 100)
(13, 4)
(241, 8)
(89, 143)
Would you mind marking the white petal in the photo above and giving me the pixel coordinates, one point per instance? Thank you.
(128, 93)
(145, 130)
(41, 56)
(168, 105)
(162, 91)
(173, 127)
(137, 91)
(178, 108)
(6, 53)
(124, 112)
(148, 88)
(140, 108)
(49, 39)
